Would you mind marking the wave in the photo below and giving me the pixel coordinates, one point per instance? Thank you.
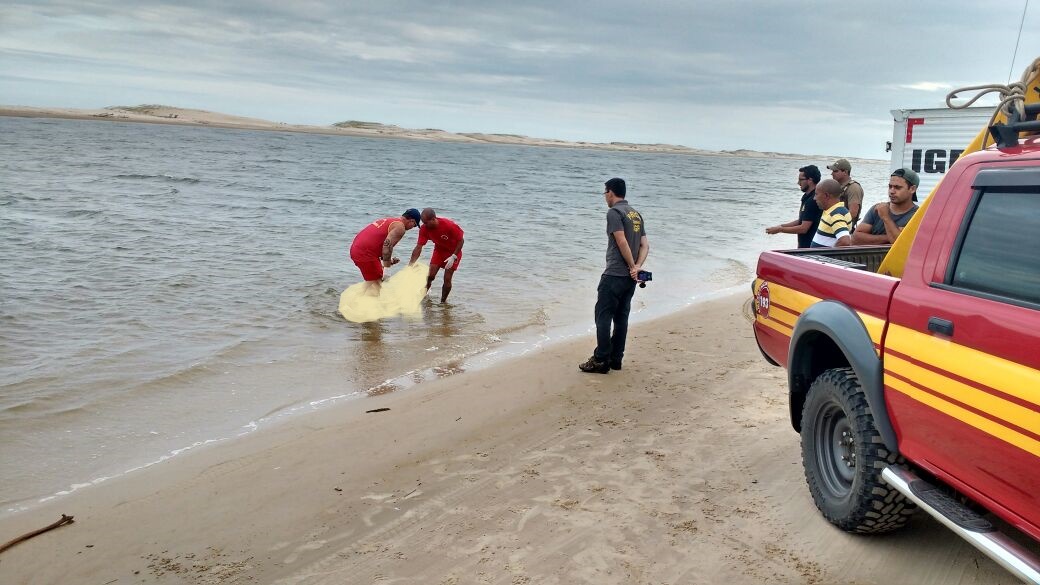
(734, 272)
(46, 408)
(710, 198)
(84, 212)
(291, 200)
(39, 398)
(321, 301)
(235, 206)
(163, 177)
(540, 318)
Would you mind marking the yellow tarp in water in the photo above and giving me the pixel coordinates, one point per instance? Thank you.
(400, 294)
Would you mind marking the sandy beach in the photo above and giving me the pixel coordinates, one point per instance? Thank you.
(160, 114)
(682, 468)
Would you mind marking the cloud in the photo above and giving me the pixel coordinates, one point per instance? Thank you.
(927, 86)
(624, 71)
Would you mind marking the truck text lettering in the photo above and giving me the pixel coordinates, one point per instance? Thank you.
(935, 160)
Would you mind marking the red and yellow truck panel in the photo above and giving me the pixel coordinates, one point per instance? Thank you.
(960, 373)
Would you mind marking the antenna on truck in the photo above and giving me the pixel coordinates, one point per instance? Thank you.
(1017, 41)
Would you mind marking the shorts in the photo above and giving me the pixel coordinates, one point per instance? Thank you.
(441, 256)
(370, 269)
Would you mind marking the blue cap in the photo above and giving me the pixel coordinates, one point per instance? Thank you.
(412, 214)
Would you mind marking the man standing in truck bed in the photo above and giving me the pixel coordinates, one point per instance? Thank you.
(884, 222)
(851, 191)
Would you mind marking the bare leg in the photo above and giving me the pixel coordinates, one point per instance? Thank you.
(446, 287)
(432, 275)
(372, 287)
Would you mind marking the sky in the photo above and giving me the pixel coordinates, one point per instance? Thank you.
(786, 76)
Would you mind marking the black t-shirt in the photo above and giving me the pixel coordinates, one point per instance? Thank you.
(809, 211)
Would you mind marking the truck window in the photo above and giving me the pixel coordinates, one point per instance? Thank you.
(1000, 249)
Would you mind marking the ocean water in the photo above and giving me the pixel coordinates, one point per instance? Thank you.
(164, 287)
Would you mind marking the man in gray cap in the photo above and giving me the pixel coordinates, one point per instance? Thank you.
(851, 191)
(884, 222)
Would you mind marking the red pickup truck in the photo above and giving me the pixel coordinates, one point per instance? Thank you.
(923, 391)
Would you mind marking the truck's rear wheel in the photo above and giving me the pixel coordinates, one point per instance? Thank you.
(843, 457)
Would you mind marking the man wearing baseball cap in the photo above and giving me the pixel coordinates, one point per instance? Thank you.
(373, 247)
(851, 191)
(886, 220)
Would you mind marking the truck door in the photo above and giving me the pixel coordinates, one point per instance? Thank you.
(962, 352)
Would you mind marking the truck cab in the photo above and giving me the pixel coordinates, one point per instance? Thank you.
(961, 350)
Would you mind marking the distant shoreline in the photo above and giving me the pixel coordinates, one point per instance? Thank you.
(159, 114)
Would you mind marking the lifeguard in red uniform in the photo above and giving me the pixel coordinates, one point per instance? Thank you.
(373, 247)
(447, 238)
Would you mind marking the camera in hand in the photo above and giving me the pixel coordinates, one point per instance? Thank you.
(644, 276)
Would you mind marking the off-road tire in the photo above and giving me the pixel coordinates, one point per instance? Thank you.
(843, 457)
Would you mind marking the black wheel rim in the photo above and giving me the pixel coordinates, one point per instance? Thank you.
(835, 450)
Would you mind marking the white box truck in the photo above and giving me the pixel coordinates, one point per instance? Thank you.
(930, 140)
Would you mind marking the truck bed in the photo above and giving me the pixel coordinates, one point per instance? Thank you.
(859, 257)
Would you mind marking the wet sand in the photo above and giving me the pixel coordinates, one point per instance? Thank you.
(682, 468)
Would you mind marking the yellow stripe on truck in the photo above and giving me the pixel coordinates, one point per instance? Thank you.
(973, 366)
(787, 304)
(999, 388)
(980, 422)
(875, 328)
(1014, 379)
(790, 298)
(995, 406)
(782, 315)
(773, 324)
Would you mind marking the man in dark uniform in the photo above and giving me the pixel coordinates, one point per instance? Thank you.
(808, 214)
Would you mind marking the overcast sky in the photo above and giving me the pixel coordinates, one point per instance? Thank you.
(806, 77)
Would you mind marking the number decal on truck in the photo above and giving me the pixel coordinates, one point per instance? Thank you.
(762, 299)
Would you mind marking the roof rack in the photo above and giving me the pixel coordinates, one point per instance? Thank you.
(1006, 134)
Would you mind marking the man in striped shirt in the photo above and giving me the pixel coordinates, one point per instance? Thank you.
(836, 223)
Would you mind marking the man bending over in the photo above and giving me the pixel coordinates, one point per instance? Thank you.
(447, 238)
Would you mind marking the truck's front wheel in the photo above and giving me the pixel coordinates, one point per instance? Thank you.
(843, 457)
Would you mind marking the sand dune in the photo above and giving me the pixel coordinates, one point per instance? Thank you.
(159, 114)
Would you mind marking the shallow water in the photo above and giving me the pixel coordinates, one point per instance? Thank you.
(165, 286)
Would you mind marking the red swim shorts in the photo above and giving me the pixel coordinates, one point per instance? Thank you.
(370, 269)
(441, 256)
